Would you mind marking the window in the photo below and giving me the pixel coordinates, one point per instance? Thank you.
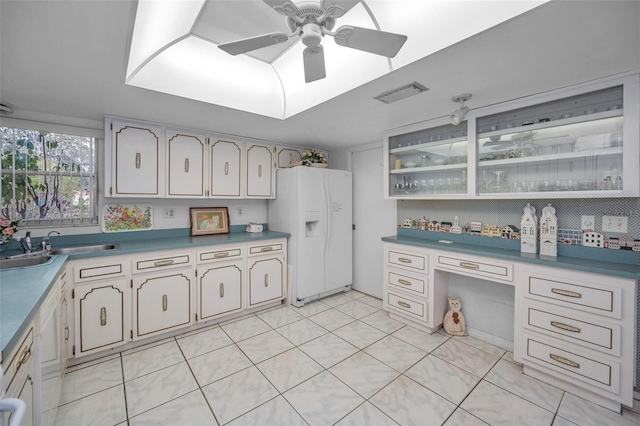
(48, 178)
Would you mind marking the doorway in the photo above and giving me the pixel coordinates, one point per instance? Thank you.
(374, 217)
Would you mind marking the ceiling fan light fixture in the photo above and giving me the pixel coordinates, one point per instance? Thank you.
(458, 116)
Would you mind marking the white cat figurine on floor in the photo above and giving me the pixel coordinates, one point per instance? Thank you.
(453, 322)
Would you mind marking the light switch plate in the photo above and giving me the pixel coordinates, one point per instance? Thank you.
(588, 223)
(614, 224)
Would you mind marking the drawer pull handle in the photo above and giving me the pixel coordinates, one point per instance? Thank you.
(138, 160)
(563, 360)
(404, 282)
(103, 316)
(404, 260)
(404, 305)
(25, 355)
(469, 265)
(259, 170)
(186, 165)
(66, 333)
(266, 248)
(221, 290)
(266, 280)
(567, 293)
(222, 254)
(565, 327)
(165, 302)
(163, 262)
(226, 168)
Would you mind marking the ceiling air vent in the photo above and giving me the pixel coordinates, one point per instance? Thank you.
(401, 93)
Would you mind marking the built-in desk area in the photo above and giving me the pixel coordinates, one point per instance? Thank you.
(574, 318)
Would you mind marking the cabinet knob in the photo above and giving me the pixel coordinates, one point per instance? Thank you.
(103, 316)
(138, 160)
(186, 165)
(221, 290)
(404, 304)
(266, 280)
(25, 355)
(567, 293)
(226, 168)
(260, 170)
(563, 360)
(165, 302)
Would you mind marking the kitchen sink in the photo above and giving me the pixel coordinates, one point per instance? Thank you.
(21, 262)
(84, 249)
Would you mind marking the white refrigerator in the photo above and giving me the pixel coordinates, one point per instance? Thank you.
(314, 205)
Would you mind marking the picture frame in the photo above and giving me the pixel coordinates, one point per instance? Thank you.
(209, 220)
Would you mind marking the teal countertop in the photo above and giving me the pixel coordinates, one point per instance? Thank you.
(601, 261)
(22, 290)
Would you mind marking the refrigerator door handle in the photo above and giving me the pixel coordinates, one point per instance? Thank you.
(327, 212)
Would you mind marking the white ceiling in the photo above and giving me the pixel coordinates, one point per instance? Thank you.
(65, 62)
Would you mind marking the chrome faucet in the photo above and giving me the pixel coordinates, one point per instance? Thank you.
(26, 242)
(46, 241)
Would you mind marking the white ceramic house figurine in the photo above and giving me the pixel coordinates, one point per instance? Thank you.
(529, 230)
(456, 228)
(549, 231)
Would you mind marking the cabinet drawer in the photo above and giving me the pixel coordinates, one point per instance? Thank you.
(406, 306)
(413, 284)
(161, 262)
(475, 267)
(418, 262)
(17, 359)
(221, 253)
(273, 247)
(596, 299)
(98, 271)
(593, 334)
(585, 368)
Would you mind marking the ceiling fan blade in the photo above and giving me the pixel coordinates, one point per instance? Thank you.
(372, 41)
(337, 8)
(283, 7)
(314, 63)
(253, 43)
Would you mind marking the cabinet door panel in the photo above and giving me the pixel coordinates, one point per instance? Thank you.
(186, 155)
(102, 316)
(259, 171)
(219, 290)
(161, 303)
(226, 158)
(136, 151)
(266, 280)
(287, 156)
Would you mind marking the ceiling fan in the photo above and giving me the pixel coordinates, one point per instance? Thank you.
(313, 19)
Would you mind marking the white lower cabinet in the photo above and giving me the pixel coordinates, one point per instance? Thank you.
(578, 327)
(103, 315)
(266, 279)
(18, 377)
(409, 292)
(162, 302)
(118, 300)
(219, 290)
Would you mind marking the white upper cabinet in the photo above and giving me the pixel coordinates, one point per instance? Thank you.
(260, 170)
(137, 160)
(143, 160)
(287, 155)
(185, 164)
(579, 142)
(225, 176)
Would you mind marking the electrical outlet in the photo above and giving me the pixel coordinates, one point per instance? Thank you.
(239, 211)
(588, 223)
(169, 213)
(614, 224)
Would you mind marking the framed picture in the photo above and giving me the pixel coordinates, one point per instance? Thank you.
(209, 220)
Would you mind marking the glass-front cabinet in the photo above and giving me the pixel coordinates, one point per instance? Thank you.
(578, 142)
(428, 162)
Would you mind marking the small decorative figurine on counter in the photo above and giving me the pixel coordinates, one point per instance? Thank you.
(592, 239)
(456, 228)
(422, 223)
(453, 322)
(406, 223)
(529, 230)
(510, 231)
(476, 228)
(549, 231)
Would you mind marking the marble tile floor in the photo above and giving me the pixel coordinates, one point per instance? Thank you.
(339, 361)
